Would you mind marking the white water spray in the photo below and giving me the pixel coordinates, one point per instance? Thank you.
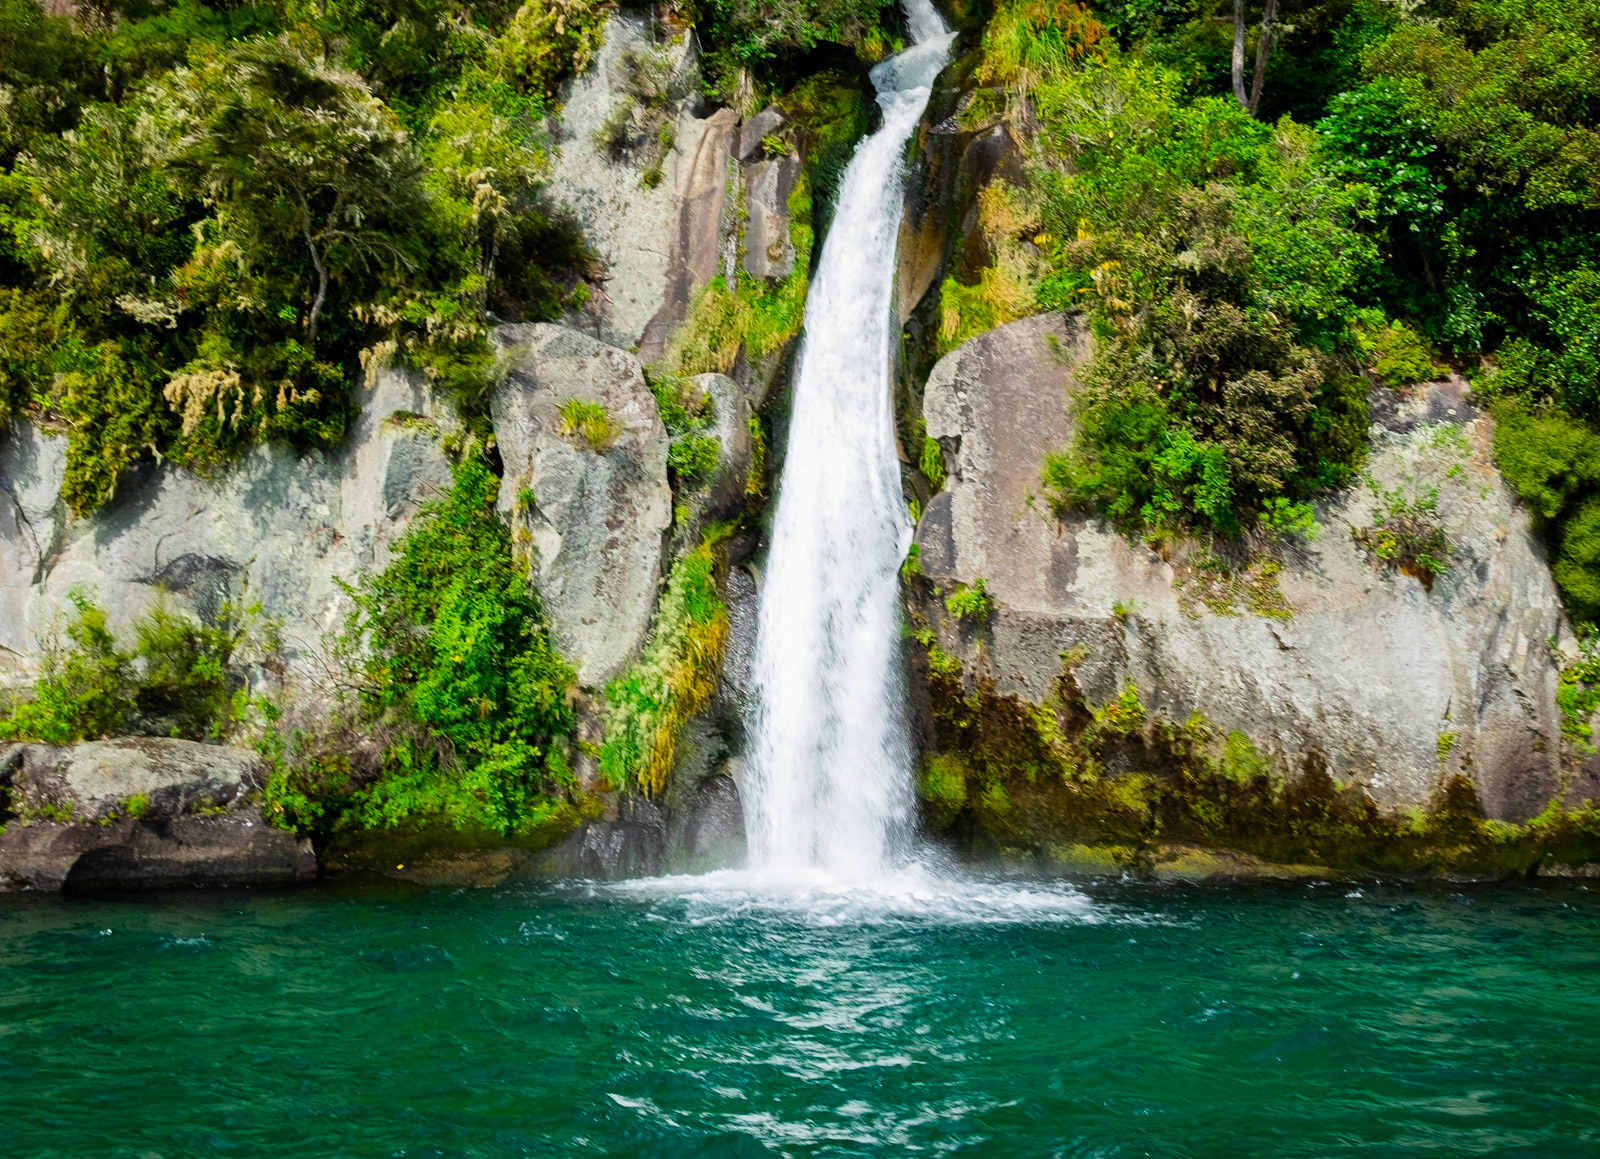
(830, 787)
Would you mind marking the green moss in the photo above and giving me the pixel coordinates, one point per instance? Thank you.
(943, 785)
(1037, 780)
(931, 463)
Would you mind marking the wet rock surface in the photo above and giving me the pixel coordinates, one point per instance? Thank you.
(139, 813)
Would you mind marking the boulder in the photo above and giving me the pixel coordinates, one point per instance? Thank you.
(599, 514)
(139, 813)
(276, 528)
(1394, 685)
(32, 468)
(768, 250)
(757, 129)
(730, 407)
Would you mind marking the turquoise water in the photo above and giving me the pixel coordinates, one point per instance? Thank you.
(711, 1018)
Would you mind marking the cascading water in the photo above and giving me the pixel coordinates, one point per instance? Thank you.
(830, 785)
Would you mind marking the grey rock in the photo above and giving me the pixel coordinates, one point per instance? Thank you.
(731, 415)
(769, 252)
(706, 830)
(634, 229)
(140, 813)
(32, 468)
(1370, 670)
(277, 529)
(96, 779)
(628, 841)
(697, 232)
(757, 129)
(599, 517)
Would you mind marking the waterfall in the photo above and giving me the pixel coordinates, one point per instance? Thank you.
(830, 783)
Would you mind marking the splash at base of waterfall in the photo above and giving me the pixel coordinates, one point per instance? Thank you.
(914, 891)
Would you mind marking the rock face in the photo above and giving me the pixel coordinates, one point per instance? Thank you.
(768, 249)
(731, 424)
(1396, 686)
(276, 529)
(650, 231)
(599, 516)
(697, 231)
(139, 813)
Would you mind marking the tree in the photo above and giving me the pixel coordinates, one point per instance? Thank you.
(1269, 32)
(301, 155)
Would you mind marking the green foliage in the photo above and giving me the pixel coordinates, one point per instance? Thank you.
(1289, 520)
(931, 462)
(1218, 258)
(589, 421)
(1406, 534)
(547, 40)
(1125, 715)
(174, 681)
(210, 226)
(694, 458)
(458, 679)
(1007, 288)
(1403, 357)
(971, 601)
(673, 680)
(1578, 693)
(694, 453)
(750, 35)
(1550, 458)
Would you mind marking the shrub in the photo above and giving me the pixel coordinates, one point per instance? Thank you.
(1218, 259)
(971, 601)
(546, 40)
(1403, 357)
(457, 679)
(672, 681)
(174, 681)
(1406, 534)
(590, 421)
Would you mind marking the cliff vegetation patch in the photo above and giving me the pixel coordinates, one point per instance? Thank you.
(213, 218)
(457, 709)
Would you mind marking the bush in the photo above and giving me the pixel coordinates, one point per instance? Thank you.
(1406, 534)
(175, 681)
(673, 680)
(209, 236)
(1218, 258)
(547, 40)
(458, 681)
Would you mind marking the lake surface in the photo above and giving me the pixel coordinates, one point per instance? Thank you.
(721, 1017)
